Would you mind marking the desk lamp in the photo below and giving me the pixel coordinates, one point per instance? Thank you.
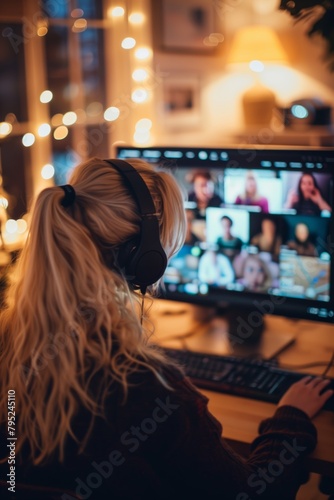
(257, 45)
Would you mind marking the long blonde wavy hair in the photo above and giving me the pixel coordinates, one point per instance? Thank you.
(68, 312)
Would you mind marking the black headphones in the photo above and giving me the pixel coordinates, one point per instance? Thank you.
(142, 260)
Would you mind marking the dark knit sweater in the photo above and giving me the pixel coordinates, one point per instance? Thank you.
(164, 444)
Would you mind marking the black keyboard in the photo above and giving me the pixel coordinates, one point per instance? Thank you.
(249, 378)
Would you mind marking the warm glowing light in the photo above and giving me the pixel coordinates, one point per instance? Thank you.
(46, 96)
(69, 118)
(79, 25)
(256, 66)
(136, 18)
(144, 124)
(57, 119)
(44, 130)
(11, 226)
(256, 42)
(94, 108)
(3, 202)
(140, 75)
(143, 53)
(48, 171)
(22, 226)
(141, 136)
(128, 43)
(213, 40)
(28, 139)
(10, 118)
(42, 31)
(139, 95)
(60, 133)
(5, 128)
(77, 13)
(116, 12)
(111, 114)
(265, 7)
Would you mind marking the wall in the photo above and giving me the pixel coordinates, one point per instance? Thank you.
(221, 85)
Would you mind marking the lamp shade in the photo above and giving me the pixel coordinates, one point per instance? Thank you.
(256, 42)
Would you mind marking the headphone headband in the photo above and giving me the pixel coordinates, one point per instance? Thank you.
(142, 259)
(137, 186)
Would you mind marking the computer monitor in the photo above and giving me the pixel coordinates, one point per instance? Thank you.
(260, 233)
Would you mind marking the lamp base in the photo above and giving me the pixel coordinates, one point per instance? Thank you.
(258, 105)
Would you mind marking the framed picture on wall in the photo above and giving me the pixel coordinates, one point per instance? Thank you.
(180, 101)
(186, 26)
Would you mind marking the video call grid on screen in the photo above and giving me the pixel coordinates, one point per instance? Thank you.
(260, 224)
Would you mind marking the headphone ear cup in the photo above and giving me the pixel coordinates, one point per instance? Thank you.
(142, 260)
(148, 261)
(125, 256)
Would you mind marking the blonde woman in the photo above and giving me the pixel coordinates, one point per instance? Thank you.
(256, 275)
(251, 196)
(99, 411)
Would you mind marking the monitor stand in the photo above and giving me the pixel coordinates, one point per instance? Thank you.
(249, 333)
(228, 331)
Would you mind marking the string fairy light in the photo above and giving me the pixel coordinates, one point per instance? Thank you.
(5, 129)
(58, 123)
(48, 171)
(44, 130)
(128, 43)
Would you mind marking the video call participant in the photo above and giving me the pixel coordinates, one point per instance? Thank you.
(203, 193)
(251, 195)
(256, 275)
(302, 243)
(268, 240)
(108, 401)
(229, 244)
(308, 200)
(191, 238)
(215, 269)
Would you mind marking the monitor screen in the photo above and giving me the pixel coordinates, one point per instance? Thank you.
(260, 228)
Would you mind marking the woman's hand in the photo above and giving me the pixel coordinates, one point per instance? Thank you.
(292, 198)
(308, 394)
(318, 200)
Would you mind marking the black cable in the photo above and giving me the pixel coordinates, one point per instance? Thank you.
(327, 364)
(330, 364)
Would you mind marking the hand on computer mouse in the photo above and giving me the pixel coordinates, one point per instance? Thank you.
(308, 394)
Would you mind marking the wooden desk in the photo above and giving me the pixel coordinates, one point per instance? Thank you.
(181, 326)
